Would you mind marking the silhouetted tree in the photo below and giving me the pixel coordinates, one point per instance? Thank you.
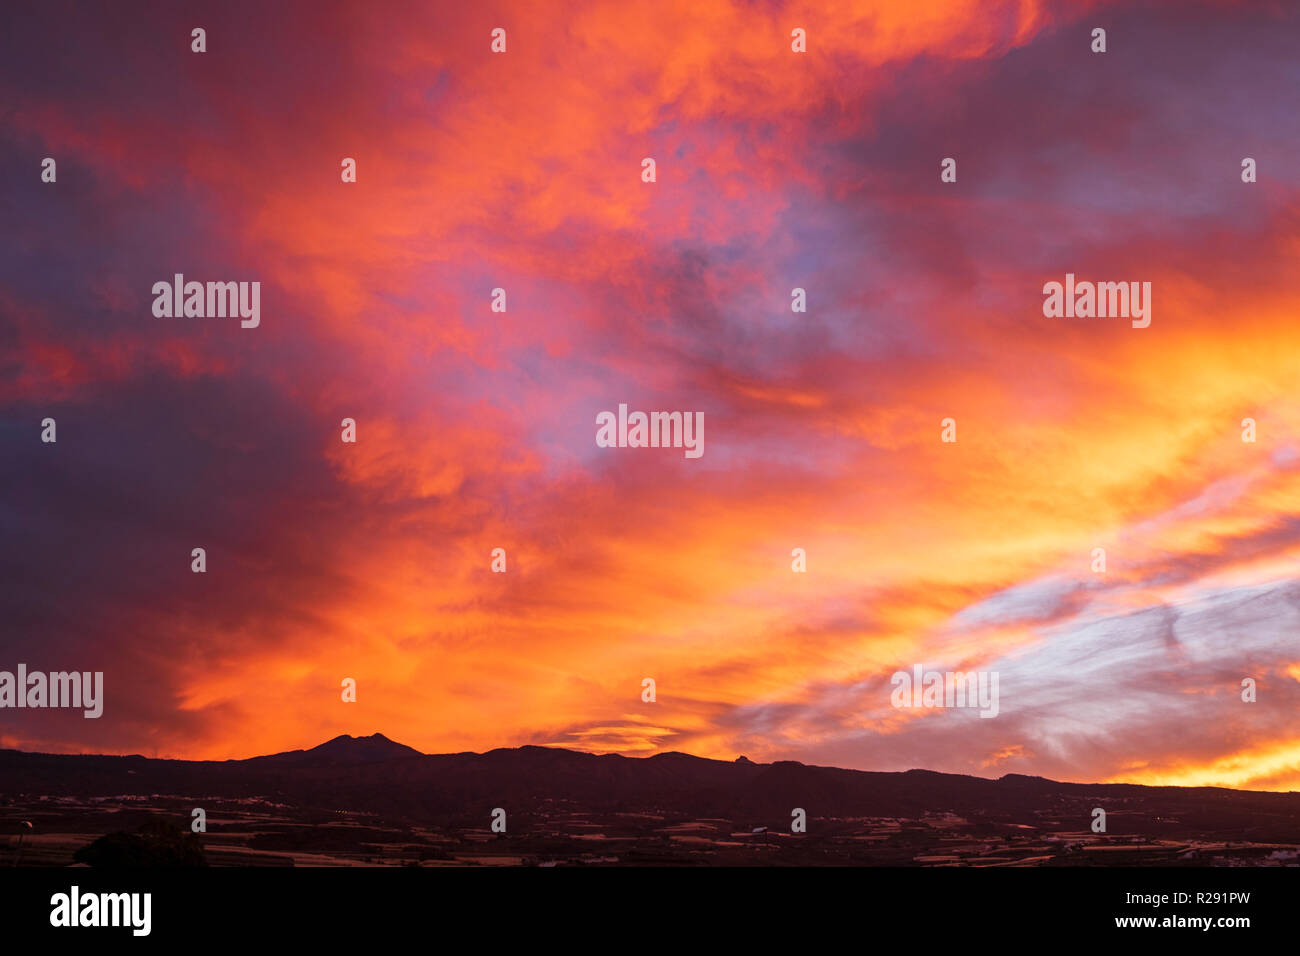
(159, 842)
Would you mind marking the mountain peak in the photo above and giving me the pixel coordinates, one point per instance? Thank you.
(374, 747)
(376, 737)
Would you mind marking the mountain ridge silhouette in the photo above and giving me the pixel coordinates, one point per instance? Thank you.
(378, 775)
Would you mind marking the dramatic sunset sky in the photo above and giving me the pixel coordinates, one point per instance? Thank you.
(476, 430)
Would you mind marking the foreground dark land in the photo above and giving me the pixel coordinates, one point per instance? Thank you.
(370, 801)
